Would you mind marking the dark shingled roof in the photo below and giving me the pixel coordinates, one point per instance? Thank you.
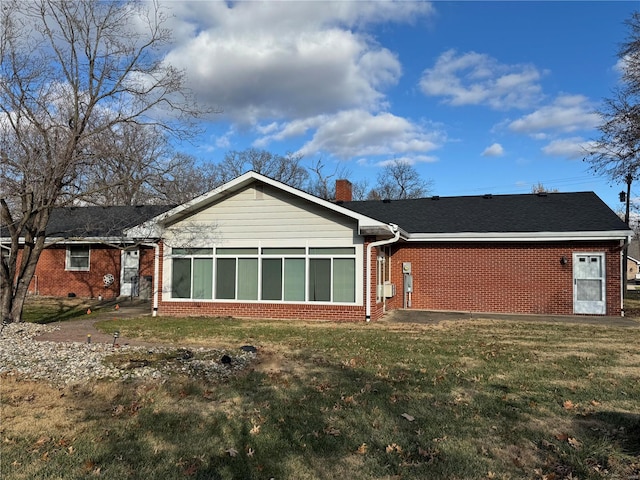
(551, 212)
(100, 221)
(91, 222)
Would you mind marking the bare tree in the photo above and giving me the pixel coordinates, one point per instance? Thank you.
(287, 168)
(140, 167)
(399, 180)
(540, 188)
(70, 71)
(616, 152)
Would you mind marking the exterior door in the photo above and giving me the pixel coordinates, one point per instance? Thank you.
(589, 283)
(129, 273)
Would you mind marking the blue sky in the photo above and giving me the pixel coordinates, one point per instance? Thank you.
(481, 97)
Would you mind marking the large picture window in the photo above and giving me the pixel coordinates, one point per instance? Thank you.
(78, 258)
(267, 274)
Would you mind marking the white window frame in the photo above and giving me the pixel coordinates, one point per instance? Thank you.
(259, 255)
(70, 256)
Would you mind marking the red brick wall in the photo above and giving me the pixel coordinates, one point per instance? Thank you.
(53, 280)
(499, 277)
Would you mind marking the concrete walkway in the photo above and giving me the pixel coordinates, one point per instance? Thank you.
(434, 317)
(79, 330)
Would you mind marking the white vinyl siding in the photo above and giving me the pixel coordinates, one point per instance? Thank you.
(242, 218)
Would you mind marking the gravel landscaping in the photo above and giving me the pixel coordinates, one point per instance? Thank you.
(75, 362)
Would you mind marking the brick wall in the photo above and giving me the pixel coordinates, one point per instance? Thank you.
(500, 277)
(51, 278)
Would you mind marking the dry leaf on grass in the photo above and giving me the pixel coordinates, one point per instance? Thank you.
(231, 451)
(362, 449)
(394, 447)
(574, 442)
(568, 405)
(408, 417)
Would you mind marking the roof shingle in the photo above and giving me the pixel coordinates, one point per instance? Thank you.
(550, 212)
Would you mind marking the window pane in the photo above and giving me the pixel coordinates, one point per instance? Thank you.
(181, 278)
(294, 279)
(272, 279)
(202, 277)
(247, 279)
(332, 251)
(79, 258)
(226, 278)
(320, 280)
(283, 251)
(237, 251)
(589, 290)
(192, 251)
(344, 280)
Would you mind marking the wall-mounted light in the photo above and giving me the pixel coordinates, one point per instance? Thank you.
(563, 260)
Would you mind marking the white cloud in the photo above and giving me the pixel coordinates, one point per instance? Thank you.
(287, 60)
(573, 148)
(568, 113)
(494, 150)
(357, 133)
(478, 79)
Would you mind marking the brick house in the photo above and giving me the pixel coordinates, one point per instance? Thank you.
(87, 254)
(255, 247)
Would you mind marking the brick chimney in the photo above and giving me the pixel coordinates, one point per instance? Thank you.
(343, 191)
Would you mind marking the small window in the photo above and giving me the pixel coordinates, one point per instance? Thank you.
(78, 258)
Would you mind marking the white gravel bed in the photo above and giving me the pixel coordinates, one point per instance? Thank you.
(75, 362)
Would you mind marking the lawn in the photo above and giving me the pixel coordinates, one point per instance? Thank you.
(462, 400)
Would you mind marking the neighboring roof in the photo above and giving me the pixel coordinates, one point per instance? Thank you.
(97, 222)
(581, 214)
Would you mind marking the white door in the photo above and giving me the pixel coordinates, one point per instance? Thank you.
(589, 283)
(129, 273)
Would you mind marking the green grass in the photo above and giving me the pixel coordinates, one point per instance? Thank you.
(462, 400)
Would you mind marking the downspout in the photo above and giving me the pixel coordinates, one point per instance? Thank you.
(623, 268)
(156, 272)
(156, 281)
(396, 236)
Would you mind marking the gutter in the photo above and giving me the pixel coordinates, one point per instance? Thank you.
(396, 235)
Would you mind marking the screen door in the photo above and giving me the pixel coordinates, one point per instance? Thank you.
(589, 283)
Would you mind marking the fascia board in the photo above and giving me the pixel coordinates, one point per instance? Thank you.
(519, 236)
(238, 183)
(54, 240)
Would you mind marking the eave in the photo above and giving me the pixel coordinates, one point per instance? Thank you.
(519, 236)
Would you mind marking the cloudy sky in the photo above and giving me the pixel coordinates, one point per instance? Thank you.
(481, 97)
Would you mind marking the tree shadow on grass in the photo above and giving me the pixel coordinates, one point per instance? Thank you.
(333, 420)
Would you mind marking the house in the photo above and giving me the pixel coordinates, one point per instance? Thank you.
(255, 247)
(87, 254)
(633, 261)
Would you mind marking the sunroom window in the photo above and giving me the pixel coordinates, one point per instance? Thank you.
(296, 274)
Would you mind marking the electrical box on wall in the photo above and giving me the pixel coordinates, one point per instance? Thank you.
(406, 267)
